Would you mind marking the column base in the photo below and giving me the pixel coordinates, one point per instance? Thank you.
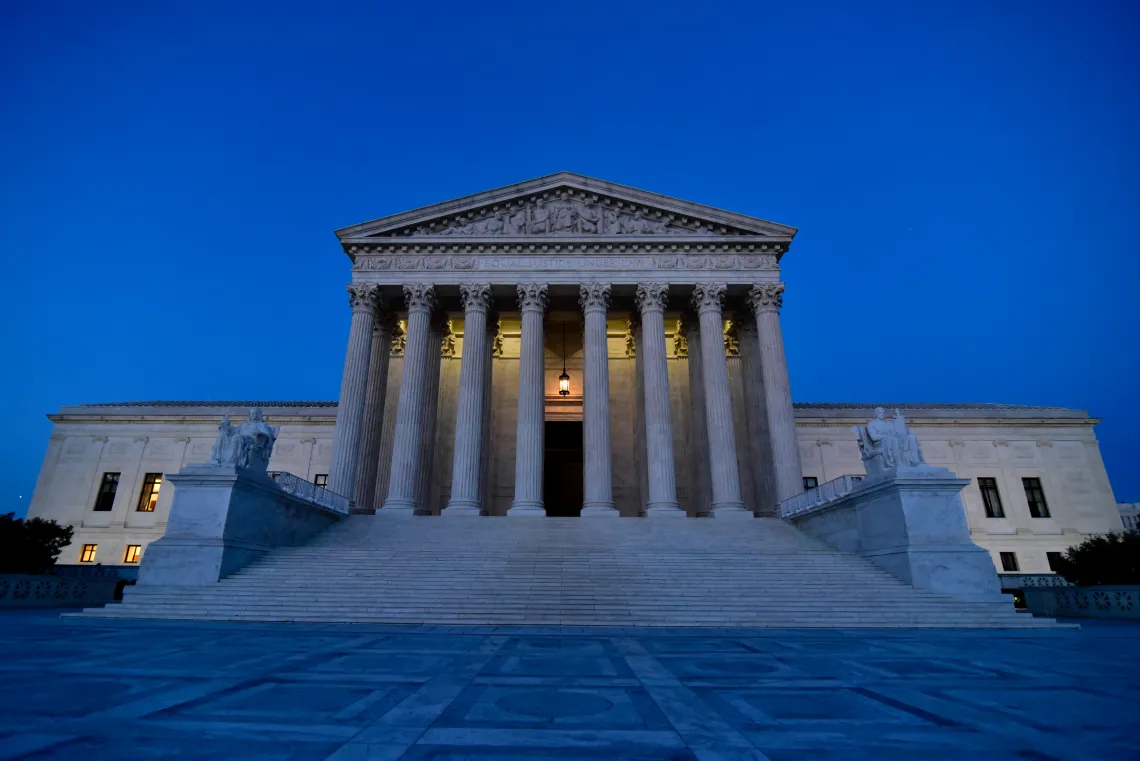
(527, 509)
(599, 510)
(731, 510)
(664, 510)
(398, 508)
(463, 507)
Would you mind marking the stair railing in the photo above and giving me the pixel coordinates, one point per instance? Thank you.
(310, 492)
(817, 497)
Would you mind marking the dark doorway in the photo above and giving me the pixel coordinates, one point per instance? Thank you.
(562, 479)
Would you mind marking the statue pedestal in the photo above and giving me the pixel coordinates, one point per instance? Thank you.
(910, 522)
(222, 518)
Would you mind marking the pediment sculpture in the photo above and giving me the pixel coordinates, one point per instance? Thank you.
(887, 444)
(568, 215)
(247, 445)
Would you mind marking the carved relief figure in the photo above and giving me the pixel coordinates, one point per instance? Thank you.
(588, 217)
(516, 222)
(610, 222)
(563, 217)
(539, 221)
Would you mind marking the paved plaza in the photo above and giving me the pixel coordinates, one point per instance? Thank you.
(142, 689)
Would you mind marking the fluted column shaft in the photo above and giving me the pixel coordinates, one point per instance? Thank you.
(708, 298)
(532, 404)
(700, 482)
(598, 499)
(353, 383)
(759, 447)
(651, 301)
(404, 478)
(766, 300)
(438, 330)
(374, 398)
(465, 496)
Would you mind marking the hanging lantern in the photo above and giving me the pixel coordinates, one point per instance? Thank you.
(564, 379)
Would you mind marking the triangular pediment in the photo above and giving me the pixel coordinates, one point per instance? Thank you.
(566, 205)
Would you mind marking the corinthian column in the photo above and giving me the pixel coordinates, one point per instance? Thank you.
(532, 404)
(439, 333)
(708, 299)
(350, 408)
(759, 448)
(700, 481)
(766, 299)
(598, 492)
(403, 481)
(374, 398)
(651, 300)
(465, 496)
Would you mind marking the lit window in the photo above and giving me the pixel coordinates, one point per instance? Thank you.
(1035, 496)
(1009, 561)
(151, 484)
(810, 482)
(107, 488)
(321, 480)
(87, 554)
(990, 497)
(132, 553)
(1054, 559)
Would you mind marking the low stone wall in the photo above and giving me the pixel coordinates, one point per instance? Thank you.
(29, 591)
(1084, 602)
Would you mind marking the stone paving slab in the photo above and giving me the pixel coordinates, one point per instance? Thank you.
(112, 689)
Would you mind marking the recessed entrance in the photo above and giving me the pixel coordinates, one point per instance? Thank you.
(562, 468)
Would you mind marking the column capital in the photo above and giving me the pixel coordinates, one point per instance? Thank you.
(594, 297)
(420, 297)
(652, 297)
(766, 297)
(475, 297)
(709, 297)
(532, 297)
(363, 297)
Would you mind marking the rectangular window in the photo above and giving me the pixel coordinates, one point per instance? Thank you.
(149, 497)
(274, 473)
(990, 497)
(1009, 561)
(87, 554)
(132, 553)
(321, 480)
(107, 488)
(810, 482)
(1035, 496)
(1054, 558)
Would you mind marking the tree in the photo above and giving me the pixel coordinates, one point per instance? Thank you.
(31, 545)
(1110, 559)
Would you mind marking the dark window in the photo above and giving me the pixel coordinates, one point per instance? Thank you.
(321, 480)
(856, 478)
(1009, 561)
(274, 473)
(107, 490)
(990, 497)
(132, 553)
(1054, 558)
(1035, 496)
(87, 554)
(149, 497)
(810, 482)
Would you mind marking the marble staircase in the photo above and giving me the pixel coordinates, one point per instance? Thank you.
(565, 571)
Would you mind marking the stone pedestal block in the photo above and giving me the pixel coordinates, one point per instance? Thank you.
(223, 518)
(910, 522)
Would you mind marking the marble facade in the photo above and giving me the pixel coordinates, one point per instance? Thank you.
(669, 314)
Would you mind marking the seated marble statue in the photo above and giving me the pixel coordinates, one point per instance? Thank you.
(248, 445)
(887, 444)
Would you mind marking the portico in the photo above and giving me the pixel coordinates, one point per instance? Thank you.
(481, 280)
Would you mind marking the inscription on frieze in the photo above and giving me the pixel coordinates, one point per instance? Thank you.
(567, 263)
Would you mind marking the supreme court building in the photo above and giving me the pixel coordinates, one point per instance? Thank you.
(571, 347)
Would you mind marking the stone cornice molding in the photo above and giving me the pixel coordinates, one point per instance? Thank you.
(419, 297)
(532, 297)
(709, 297)
(363, 297)
(475, 298)
(652, 297)
(594, 297)
(766, 297)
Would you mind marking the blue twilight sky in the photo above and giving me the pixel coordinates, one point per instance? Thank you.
(963, 174)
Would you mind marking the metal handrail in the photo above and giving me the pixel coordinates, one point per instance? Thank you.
(817, 497)
(310, 492)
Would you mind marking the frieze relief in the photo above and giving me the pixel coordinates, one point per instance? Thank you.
(574, 263)
(566, 212)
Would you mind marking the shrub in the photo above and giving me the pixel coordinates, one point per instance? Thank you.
(1110, 559)
(30, 545)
